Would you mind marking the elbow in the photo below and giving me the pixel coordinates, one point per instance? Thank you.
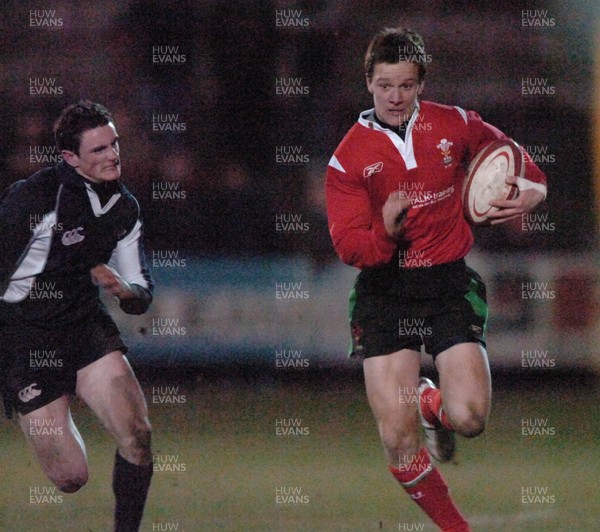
(351, 259)
(364, 249)
(347, 253)
(134, 306)
(363, 258)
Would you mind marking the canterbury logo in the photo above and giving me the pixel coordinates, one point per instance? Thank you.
(72, 237)
(29, 393)
(417, 496)
(372, 169)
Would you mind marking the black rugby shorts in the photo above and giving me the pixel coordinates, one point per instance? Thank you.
(432, 307)
(43, 362)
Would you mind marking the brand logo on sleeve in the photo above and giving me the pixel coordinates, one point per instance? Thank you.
(372, 169)
(72, 237)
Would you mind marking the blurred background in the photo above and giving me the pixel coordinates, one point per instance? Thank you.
(228, 114)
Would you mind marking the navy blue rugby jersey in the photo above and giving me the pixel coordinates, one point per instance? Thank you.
(54, 227)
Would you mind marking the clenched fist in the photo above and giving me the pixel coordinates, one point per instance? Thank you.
(394, 213)
(108, 279)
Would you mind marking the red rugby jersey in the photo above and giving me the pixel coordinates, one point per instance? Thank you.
(429, 166)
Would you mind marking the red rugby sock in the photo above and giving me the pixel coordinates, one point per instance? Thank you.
(432, 408)
(426, 486)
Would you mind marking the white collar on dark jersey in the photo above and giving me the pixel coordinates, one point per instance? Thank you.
(95, 201)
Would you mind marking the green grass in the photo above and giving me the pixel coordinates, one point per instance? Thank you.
(225, 436)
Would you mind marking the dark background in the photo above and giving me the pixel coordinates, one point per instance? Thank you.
(225, 94)
(224, 366)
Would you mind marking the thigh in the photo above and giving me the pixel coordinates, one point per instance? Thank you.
(392, 390)
(109, 387)
(391, 381)
(465, 379)
(57, 444)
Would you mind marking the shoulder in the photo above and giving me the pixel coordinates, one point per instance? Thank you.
(361, 137)
(354, 135)
(443, 112)
(40, 187)
(47, 177)
(128, 197)
(129, 206)
(355, 147)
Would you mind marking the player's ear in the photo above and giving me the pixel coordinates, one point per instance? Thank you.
(421, 87)
(369, 83)
(70, 158)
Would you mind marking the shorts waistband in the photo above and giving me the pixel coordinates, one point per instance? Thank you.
(439, 279)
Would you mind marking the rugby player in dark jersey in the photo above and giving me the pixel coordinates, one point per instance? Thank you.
(68, 232)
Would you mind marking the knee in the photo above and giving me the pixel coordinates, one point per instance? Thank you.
(469, 421)
(399, 440)
(136, 446)
(69, 482)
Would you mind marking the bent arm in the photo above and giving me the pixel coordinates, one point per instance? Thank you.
(359, 236)
(128, 260)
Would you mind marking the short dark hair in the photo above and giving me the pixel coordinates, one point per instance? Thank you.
(392, 45)
(77, 118)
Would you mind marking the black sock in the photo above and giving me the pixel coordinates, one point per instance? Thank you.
(130, 486)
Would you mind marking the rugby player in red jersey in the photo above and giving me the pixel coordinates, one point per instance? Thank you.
(394, 210)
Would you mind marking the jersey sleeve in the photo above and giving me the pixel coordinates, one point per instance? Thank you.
(16, 213)
(480, 134)
(359, 237)
(129, 260)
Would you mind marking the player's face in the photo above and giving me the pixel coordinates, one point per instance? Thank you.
(395, 88)
(98, 158)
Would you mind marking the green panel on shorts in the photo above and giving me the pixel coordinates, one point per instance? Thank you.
(351, 305)
(478, 304)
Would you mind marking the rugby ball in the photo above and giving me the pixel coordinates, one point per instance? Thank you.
(486, 179)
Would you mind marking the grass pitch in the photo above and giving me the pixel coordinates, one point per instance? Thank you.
(228, 469)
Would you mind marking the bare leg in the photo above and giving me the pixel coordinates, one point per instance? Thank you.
(112, 391)
(57, 444)
(392, 389)
(386, 379)
(466, 387)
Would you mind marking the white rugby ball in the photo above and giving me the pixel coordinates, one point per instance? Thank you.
(486, 179)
